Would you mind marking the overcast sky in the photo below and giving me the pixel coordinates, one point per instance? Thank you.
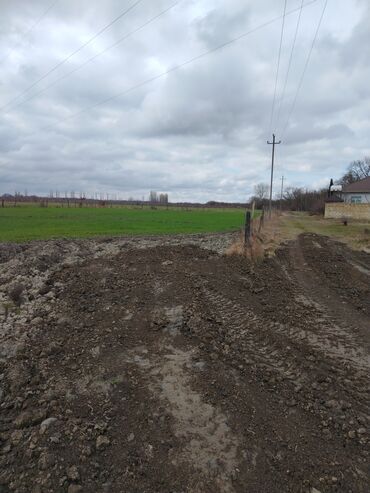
(198, 133)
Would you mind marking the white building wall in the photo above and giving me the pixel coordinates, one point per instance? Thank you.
(360, 198)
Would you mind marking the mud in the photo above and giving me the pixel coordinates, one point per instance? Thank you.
(162, 365)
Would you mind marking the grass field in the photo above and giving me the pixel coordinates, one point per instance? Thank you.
(356, 233)
(26, 222)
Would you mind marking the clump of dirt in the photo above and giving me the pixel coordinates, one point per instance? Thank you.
(162, 365)
(15, 293)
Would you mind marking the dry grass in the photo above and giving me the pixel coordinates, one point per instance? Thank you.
(355, 233)
(262, 244)
(281, 228)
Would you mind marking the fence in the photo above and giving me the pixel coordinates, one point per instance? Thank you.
(253, 226)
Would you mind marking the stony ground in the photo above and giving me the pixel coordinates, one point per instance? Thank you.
(161, 365)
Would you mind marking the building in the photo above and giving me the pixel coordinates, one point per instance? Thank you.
(357, 192)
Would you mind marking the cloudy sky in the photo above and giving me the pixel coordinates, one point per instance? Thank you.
(198, 132)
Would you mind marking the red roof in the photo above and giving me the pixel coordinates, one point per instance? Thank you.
(361, 186)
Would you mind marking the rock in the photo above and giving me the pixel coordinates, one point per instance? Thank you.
(44, 289)
(102, 442)
(47, 422)
(95, 351)
(62, 321)
(74, 488)
(72, 473)
(361, 431)
(86, 451)
(6, 449)
(16, 436)
(351, 434)
(292, 403)
(53, 348)
(331, 404)
(55, 439)
(130, 437)
(29, 418)
(167, 262)
(36, 321)
(46, 461)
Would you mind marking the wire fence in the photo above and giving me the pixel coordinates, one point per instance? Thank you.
(254, 225)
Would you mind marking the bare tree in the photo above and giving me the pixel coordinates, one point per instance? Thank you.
(261, 191)
(357, 170)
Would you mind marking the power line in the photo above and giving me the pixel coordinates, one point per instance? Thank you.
(40, 18)
(62, 62)
(176, 67)
(32, 27)
(305, 69)
(116, 43)
(278, 66)
(289, 64)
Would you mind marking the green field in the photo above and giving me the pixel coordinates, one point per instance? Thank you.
(31, 222)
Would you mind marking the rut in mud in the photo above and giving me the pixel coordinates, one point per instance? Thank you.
(172, 368)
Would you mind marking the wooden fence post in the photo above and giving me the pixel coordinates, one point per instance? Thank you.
(252, 217)
(262, 220)
(247, 228)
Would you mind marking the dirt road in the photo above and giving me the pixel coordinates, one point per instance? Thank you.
(163, 366)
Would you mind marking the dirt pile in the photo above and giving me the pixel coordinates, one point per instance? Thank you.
(162, 366)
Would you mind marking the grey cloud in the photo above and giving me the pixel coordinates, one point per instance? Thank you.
(198, 133)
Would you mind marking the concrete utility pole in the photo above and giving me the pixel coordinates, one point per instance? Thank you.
(281, 194)
(273, 143)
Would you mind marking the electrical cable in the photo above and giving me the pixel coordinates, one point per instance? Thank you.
(62, 62)
(32, 27)
(278, 68)
(304, 70)
(175, 67)
(79, 67)
(289, 66)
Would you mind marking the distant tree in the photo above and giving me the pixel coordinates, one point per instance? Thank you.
(261, 191)
(357, 170)
(299, 199)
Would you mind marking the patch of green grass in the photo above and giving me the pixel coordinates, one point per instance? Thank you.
(355, 233)
(24, 223)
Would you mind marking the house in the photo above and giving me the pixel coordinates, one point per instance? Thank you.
(357, 192)
(349, 201)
